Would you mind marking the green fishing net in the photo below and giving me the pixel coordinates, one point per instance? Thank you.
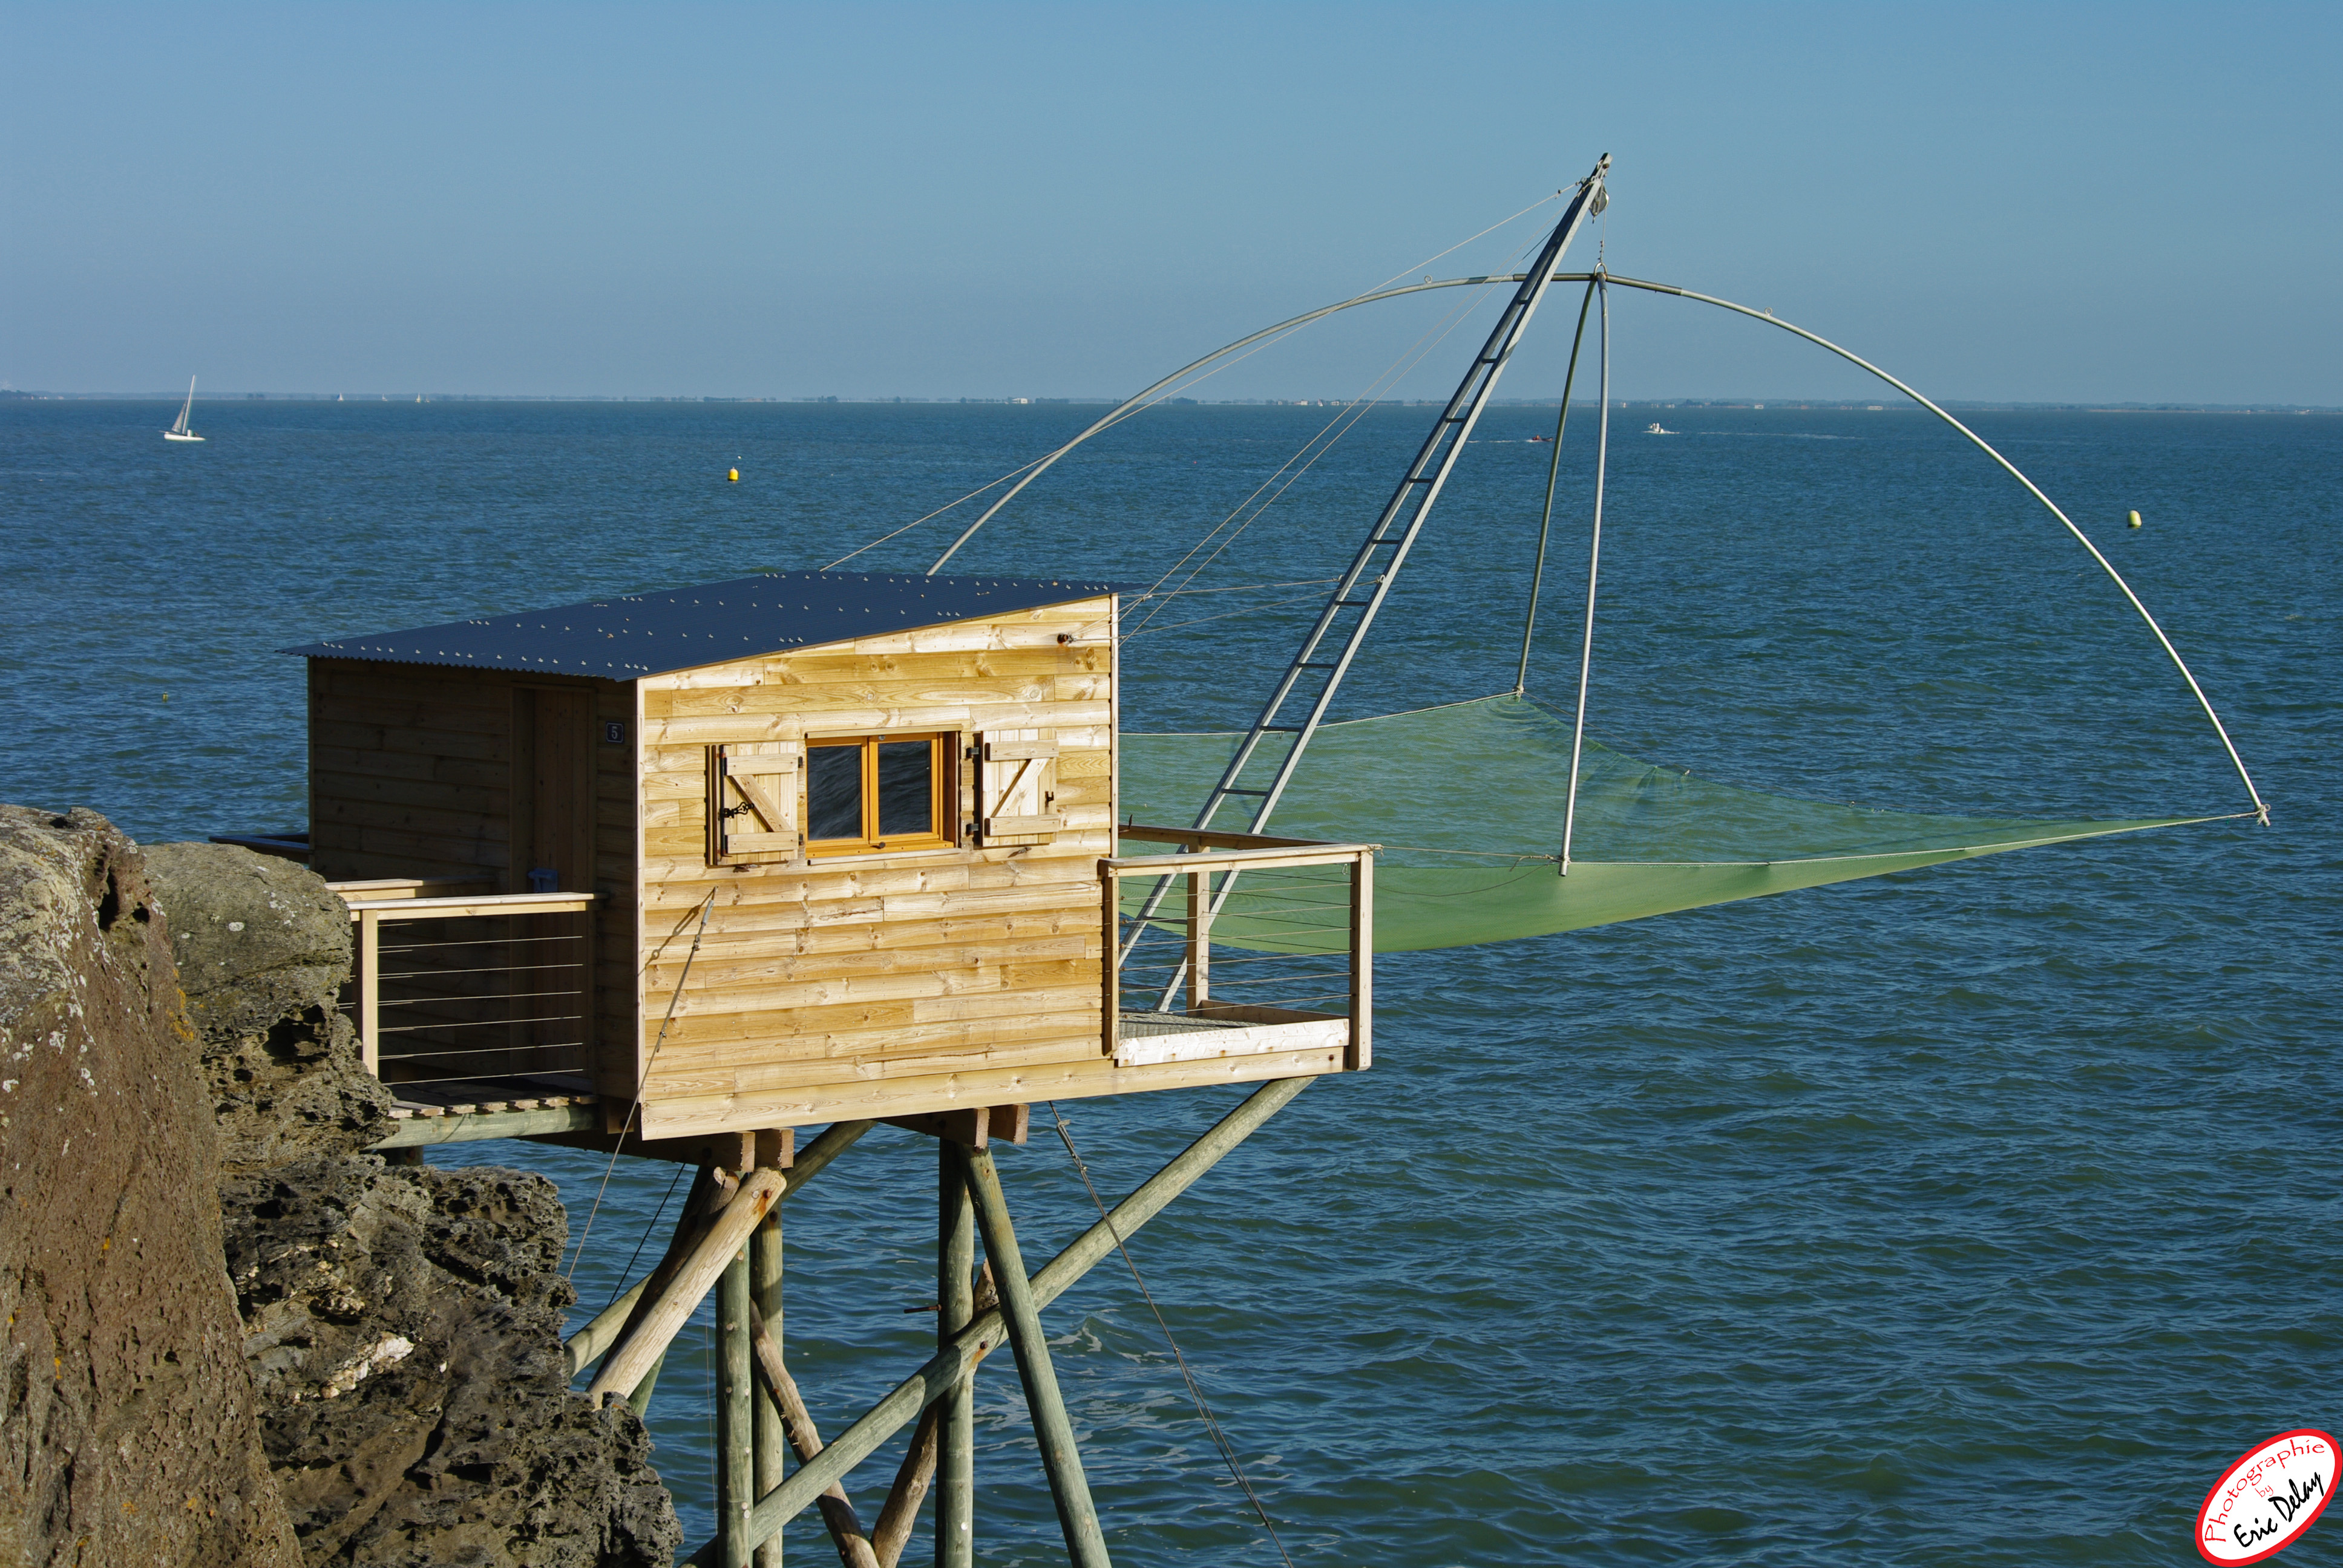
(1468, 802)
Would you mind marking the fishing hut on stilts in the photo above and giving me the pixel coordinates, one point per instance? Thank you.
(678, 875)
(803, 850)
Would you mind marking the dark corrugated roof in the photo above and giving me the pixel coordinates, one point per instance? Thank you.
(628, 636)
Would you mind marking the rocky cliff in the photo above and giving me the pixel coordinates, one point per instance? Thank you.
(382, 1380)
(129, 1432)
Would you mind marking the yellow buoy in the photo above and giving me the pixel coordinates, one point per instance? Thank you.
(734, 475)
(2135, 519)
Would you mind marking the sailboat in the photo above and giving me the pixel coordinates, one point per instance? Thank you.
(178, 431)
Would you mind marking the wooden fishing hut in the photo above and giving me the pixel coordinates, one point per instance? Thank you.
(676, 873)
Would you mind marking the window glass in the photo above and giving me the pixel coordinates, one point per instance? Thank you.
(906, 793)
(834, 793)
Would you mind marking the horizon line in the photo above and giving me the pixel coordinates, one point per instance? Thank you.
(1892, 402)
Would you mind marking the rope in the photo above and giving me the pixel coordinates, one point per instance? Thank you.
(1341, 426)
(644, 1239)
(636, 1109)
(1164, 388)
(1241, 588)
(938, 512)
(1175, 625)
(1150, 397)
(1195, 1392)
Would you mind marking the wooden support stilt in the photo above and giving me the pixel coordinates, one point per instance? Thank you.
(771, 1442)
(1085, 1543)
(640, 1400)
(585, 1347)
(955, 1429)
(735, 1455)
(949, 1366)
(705, 1193)
(846, 1530)
(724, 1238)
(893, 1531)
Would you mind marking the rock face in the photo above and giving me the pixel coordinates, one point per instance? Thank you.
(403, 1322)
(261, 945)
(127, 1424)
(406, 1339)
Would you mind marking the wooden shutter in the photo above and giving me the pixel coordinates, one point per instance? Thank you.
(752, 802)
(1017, 785)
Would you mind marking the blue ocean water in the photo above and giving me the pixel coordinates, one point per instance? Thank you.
(1978, 1215)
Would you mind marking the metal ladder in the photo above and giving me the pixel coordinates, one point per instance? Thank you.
(1299, 703)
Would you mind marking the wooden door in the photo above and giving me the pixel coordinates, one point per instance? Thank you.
(552, 852)
(553, 795)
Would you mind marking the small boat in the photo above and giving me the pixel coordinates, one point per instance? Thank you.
(1654, 430)
(178, 431)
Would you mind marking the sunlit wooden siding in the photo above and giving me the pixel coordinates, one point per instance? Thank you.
(891, 983)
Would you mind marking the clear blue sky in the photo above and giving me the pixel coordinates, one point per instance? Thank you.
(2056, 202)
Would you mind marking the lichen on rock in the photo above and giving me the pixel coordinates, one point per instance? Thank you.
(262, 947)
(235, 1339)
(403, 1323)
(129, 1431)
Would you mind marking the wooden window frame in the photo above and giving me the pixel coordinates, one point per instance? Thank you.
(943, 795)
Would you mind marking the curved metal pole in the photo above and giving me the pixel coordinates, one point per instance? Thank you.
(2261, 807)
(1552, 474)
(1132, 404)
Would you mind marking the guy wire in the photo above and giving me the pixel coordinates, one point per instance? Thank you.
(1195, 1393)
(633, 1110)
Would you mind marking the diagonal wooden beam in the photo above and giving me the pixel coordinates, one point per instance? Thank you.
(648, 1340)
(1069, 1490)
(584, 1347)
(953, 1362)
(846, 1530)
(893, 1531)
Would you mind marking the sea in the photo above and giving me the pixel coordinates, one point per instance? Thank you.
(1973, 1216)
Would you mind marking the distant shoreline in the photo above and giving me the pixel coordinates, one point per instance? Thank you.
(1894, 405)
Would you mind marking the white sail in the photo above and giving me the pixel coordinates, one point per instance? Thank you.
(178, 431)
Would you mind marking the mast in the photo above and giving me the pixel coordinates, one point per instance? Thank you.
(1299, 703)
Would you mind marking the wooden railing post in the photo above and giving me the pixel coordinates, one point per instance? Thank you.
(1110, 959)
(370, 990)
(1360, 1052)
(1200, 939)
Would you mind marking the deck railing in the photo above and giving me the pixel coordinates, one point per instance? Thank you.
(454, 983)
(1297, 919)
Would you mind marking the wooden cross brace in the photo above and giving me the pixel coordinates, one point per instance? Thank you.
(1016, 1321)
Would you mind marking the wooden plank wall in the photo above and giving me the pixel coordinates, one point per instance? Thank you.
(410, 770)
(894, 983)
(412, 774)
